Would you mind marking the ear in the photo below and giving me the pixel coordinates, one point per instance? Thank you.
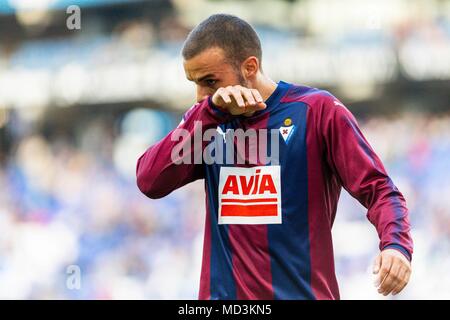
(250, 67)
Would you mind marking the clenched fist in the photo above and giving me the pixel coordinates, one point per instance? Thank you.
(393, 270)
(238, 100)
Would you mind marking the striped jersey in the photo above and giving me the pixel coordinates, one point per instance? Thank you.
(268, 223)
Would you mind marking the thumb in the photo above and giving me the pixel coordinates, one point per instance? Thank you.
(377, 264)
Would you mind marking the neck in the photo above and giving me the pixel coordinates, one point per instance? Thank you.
(264, 85)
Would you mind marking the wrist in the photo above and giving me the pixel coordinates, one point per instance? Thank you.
(217, 109)
(400, 249)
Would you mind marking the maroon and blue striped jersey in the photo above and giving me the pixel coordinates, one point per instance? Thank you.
(268, 225)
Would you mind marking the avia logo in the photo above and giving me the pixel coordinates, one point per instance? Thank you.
(251, 186)
(249, 195)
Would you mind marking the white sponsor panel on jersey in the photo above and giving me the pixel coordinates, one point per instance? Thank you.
(250, 195)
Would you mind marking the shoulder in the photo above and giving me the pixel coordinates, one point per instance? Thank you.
(309, 95)
(318, 100)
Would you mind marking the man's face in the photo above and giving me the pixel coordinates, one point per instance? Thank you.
(210, 70)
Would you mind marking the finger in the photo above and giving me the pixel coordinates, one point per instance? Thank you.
(402, 282)
(377, 264)
(385, 266)
(236, 94)
(248, 97)
(408, 274)
(261, 106)
(257, 96)
(256, 107)
(259, 100)
(225, 95)
(405, 281)
(391, 280)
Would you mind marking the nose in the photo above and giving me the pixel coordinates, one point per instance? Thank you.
(201, 93)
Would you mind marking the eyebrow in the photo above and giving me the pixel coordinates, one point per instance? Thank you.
(210, 75)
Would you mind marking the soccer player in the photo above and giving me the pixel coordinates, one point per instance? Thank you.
(268, 225)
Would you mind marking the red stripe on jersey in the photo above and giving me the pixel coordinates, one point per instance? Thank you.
(250, 200)
(264, 210)
(251, 261)
(205, 277)
(323, 280)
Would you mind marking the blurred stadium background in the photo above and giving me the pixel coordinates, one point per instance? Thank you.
(77, 107)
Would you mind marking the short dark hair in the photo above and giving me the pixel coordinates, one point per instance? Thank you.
(236, 37)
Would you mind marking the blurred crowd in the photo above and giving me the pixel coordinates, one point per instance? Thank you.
(64, 202)
(415, 149)
(120, 59)
(67, 155)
